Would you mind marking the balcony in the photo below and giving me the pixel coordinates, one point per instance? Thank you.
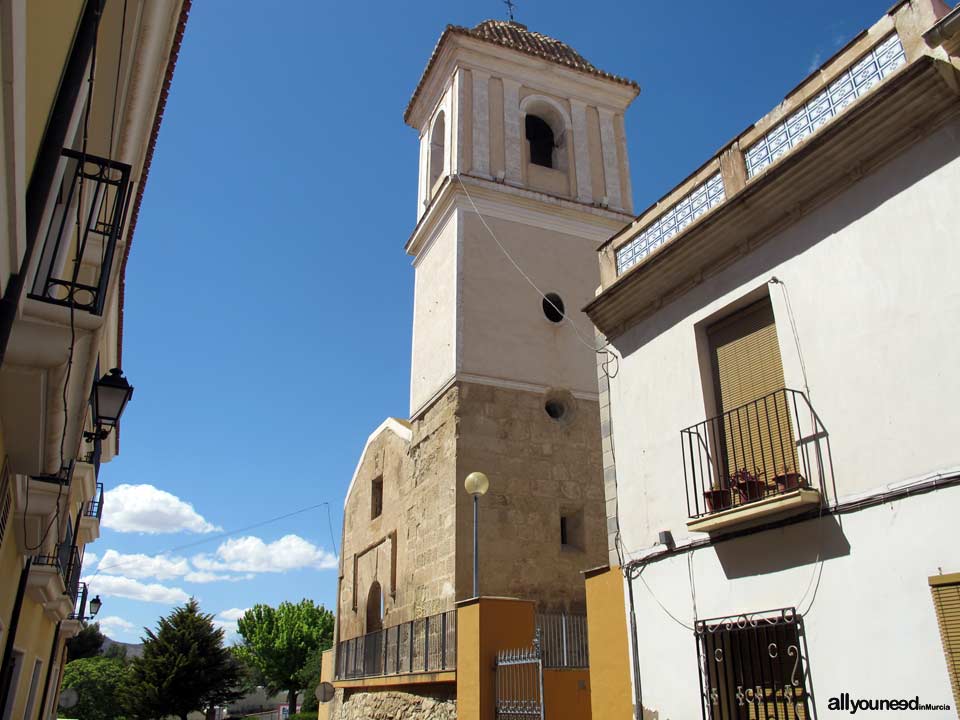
(89, 528)
(81, 238)
(426, 645)
(760, 462)
(35, 500)
(54, 581)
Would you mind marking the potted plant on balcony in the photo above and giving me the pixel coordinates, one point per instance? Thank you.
(748, 486)
(719, 496)
(789, 480)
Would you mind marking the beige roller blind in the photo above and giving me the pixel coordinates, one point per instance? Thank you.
(745, 353)
(946, 601)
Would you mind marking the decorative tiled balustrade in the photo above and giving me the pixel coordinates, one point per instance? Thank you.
(867, 72)
(691, 206)
(830, 102)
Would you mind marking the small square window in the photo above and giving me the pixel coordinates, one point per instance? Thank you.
(564, 537)
(571, 529)
(376, 498)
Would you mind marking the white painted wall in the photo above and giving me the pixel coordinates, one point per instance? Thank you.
(871, 629)
(434, 315)
(872, 281)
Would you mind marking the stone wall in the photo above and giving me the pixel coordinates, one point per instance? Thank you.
(540, 469)
(390, 705)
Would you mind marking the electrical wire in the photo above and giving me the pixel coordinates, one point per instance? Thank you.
(230, 533)
(593, 348)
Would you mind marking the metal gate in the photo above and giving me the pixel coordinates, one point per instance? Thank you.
(520, 683)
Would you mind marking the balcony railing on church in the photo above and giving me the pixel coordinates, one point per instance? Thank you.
(424, 645)
(769, 447)
(80, 242)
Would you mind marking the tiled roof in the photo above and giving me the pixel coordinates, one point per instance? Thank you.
(518, 37)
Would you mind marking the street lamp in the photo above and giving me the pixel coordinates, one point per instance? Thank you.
(95, 606)
(476, 484)
(112, 392)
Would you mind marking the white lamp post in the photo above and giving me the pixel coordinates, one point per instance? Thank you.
(476, 484)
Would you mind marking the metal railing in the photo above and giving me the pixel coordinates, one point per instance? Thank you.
(79, 602)
(770, 446)
(81, 239)
(563, 639)
(424, 645)
(94, 507)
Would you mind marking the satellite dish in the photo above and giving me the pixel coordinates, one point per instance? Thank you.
(324, 692)
(69, 698)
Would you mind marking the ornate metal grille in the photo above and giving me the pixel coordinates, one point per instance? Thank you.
(690, 207)
(75, 263)
(754, 667)
(870, 70)
(519, 675)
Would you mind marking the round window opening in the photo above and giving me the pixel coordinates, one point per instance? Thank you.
(556, 409)
(553, 307)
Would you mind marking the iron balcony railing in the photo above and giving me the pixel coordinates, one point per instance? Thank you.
(94, 507)
(563, 640)
(66, 560)
(773, 445)
(81, 239)
(64, 477)
(80, 602)
(424, 645)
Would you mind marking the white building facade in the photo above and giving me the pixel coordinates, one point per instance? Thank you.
(781, 465)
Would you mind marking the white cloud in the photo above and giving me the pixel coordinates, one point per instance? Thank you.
(114, 626)
(232, 613)
(251, 554)
(89, 558)
(146, 509)
(815, 62)
(118, 586)
(202, 576)
(137, 565)
(227, 619)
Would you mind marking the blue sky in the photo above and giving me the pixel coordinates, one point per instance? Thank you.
(269, 300)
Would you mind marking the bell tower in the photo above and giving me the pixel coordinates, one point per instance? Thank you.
(523, 171)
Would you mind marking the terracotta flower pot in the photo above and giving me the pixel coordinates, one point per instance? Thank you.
(751, 489)
(790, 481)
(717, 499)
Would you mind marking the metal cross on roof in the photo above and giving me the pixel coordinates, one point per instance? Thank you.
(510, 7)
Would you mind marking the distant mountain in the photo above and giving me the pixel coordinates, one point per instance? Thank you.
(133, 649)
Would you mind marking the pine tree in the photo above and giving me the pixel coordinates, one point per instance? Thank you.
(184, 667)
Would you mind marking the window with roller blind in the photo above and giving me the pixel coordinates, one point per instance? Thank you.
(755, 430)
(946, 602)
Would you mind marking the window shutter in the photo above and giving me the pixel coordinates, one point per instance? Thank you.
(745, 355)
(946, 601)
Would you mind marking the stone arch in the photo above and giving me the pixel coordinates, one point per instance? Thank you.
(438, 142)
(374, 608)
(555, 115)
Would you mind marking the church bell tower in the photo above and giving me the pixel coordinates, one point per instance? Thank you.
(523, 172)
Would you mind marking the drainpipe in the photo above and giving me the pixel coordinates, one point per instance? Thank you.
(48, 159)
(6, 671)
(637, 689)
(46, 684)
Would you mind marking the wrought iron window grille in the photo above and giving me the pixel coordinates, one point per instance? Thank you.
(771, 446)
(81, 281)
(754, 666)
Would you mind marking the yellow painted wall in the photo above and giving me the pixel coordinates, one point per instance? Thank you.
(34, 635)
(485, 626)
(326, 675)
(611, 692)
(568, 694)
(51, 26)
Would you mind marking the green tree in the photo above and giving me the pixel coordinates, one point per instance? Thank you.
(184, 667)
(100, 684)
(86, 644)
(280, 642)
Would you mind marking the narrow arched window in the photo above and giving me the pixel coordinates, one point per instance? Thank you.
(542, 142)
(437, 144)
(374, 608)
